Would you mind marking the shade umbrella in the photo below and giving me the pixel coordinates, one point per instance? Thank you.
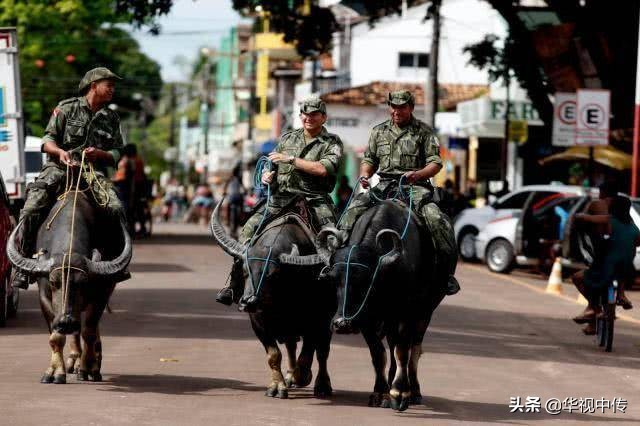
(606, 155)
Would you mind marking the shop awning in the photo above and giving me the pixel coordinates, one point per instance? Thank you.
(605, 155)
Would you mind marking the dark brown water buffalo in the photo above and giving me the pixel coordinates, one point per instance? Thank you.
(286, 302)
(75, 284)
(387, 288)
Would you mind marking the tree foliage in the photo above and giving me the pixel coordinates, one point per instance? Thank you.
(60, 40)
(311, 27)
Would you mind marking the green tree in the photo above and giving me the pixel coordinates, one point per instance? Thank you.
(60, 40)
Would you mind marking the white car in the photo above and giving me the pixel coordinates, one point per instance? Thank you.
(468, 224)
(537, 233)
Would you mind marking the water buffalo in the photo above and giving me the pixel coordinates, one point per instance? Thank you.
(81, 282)
(387, 288)
(285, 302)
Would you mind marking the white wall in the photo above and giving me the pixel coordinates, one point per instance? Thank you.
(374, 51)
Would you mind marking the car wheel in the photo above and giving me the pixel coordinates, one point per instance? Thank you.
(13, 301)
(500, 256)
(467, 245)
(3, 301)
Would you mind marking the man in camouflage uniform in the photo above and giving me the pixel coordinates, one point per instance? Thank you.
(405, 146)
(306, 160)
(77, 124)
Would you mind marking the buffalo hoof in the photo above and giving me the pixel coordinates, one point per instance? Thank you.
(82, 376)
(378, 399)
(272, 391)
(322, 391)
(415, 399)
(59, 379)
(289, 381)
(96, 377)
(302, 377)
(399, 404)
(386, 401)
(46, 379)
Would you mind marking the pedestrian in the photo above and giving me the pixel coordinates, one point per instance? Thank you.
(234, 192)
(79, 124)
(343, 192)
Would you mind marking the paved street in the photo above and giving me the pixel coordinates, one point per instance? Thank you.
(172, 356)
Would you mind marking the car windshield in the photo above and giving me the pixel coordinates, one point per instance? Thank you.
(636, 205)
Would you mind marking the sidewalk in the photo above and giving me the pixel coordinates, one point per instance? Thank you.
(538, 283)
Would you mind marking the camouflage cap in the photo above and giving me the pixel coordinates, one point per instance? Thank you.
(96, 74)
(312, 104)
(400, 97)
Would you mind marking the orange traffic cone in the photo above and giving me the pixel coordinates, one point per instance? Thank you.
(554, 285)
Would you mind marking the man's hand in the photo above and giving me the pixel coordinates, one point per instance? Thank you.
(364, 182)
(277, 157)
(267, 178)
(93, 154)
(411, 177)
(65, 158)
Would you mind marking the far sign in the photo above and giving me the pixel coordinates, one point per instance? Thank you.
(593, 110)
(564, 120)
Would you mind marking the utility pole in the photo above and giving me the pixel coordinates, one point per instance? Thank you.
(205, 118)
(431, 92)
(172, 128)
(505, 143)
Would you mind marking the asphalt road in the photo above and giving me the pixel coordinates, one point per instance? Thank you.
(172, 356)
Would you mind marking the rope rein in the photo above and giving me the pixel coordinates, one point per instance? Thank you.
(87, 170)
(377, 269)
(260, 166)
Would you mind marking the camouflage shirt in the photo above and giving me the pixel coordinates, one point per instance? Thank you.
(394, 151)
(325, 148)
(74, 126)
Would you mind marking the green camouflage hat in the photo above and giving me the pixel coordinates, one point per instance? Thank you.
(96, 74)
(313, 104)
(400, 97)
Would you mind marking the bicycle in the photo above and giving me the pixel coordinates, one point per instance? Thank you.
(605, 321)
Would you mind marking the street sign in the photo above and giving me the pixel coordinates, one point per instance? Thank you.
(518, 131)
(564, 119)
(593, 110)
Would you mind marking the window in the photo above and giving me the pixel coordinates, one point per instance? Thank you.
(515, 201)
(413, 60)
(33, 161)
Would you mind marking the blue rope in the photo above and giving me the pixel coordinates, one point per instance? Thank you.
(375, 272)
(257, 181)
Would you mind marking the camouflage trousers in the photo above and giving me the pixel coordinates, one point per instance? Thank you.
(44, 191)
(437, 222)
(320, 207)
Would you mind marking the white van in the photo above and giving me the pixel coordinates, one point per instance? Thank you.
(34, 158)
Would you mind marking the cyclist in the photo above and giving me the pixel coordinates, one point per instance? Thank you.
(617, 260)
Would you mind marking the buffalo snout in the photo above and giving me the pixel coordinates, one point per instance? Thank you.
(66, 324)
(248, 304)
(344, 326)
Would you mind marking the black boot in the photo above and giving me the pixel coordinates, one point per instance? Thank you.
(20, 280)
(452, 286)
(26, 236)
(234, 290)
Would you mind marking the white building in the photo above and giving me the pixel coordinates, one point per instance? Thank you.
(397, 48)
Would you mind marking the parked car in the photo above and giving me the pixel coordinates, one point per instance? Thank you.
(538, 233)
(468, 224)
(8, 295)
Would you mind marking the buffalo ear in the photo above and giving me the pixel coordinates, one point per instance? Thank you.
(389, 246)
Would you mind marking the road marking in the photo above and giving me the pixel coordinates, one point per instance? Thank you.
(541, 291)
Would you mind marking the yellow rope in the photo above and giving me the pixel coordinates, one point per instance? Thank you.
(73, 223)
(88, 171)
